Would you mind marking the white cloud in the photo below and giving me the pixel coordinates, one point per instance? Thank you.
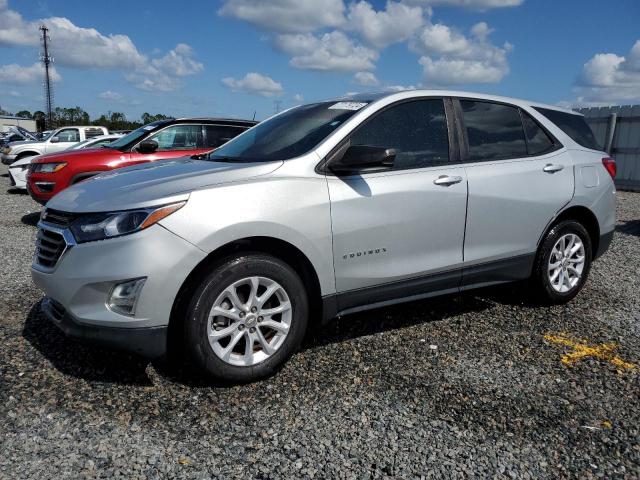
(451, 58)
(366, 79)
(254, 83)
(398, 88)
(332, 51)
(79, 47)
(298, 97)
(470, 4)
(111, 96)
(397, 23)
(178, 62)
(610, 78)
(286, 16)
(19, 75)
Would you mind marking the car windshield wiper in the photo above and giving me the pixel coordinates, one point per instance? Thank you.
(225, 159)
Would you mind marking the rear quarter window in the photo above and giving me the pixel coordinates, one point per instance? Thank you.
(574, 125)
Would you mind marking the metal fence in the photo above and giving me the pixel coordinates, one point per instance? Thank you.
(618, 130)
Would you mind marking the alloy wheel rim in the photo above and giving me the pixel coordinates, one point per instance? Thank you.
(249, 321)
(566, 263)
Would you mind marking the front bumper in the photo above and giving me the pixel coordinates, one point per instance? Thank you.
(150, 342)
(18, 177)
(84, 275)
(8, 159)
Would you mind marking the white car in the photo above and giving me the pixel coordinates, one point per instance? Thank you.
(18, 170)
(59, 140)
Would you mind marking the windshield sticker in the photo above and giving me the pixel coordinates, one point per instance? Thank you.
(347, 106)
(149, 127)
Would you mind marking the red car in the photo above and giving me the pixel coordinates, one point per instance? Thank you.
(164, 139)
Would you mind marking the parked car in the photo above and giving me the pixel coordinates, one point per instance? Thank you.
(15, 134)
(59, 140)
(158, 140)
(18, 169)
(323, 210)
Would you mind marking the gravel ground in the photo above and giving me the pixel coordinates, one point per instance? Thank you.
(461, 386)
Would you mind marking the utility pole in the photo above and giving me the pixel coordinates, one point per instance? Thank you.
(47, 60)
(277, 104)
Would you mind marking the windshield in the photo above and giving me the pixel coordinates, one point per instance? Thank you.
(78, 145)
(288, 135)
(134, 136)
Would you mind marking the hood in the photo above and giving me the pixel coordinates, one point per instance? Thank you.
(13, 145)
(25, 133)
(151, 183)
(25, 161)
(70, 155)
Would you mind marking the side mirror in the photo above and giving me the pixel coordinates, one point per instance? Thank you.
(54, 140)
(147, 146)
(362, 158)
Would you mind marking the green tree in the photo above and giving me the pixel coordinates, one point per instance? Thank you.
(24, 114)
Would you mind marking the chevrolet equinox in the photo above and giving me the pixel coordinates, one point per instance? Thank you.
(323, 210)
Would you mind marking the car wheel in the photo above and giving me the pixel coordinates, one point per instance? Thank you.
(562, 263)
(247, 318)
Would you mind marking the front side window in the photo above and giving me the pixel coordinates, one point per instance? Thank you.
(289, 134)
(417, 130)
(69, 135)
(494, 131)
(179, 137)
(218, 135)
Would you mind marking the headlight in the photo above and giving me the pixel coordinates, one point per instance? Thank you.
(47, 167)
(6, 150)
(99, 226)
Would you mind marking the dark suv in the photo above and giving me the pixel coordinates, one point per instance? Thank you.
(159, 140)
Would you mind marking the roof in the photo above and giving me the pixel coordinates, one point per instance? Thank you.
(13, 117)
(217, 119)
(375, 96)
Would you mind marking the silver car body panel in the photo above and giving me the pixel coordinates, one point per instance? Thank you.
(398, 225)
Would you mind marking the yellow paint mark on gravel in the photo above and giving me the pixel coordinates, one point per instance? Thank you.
(581, 349)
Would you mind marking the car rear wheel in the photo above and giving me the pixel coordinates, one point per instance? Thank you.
(247, 318)
(562, 263)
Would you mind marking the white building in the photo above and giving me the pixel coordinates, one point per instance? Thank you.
(11, 121)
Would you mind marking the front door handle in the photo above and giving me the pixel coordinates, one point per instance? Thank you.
(551, 168)
(446, 180)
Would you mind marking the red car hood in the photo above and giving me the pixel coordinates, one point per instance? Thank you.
(70, 155)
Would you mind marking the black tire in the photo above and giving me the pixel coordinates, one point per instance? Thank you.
(226, 273)
(540, 281)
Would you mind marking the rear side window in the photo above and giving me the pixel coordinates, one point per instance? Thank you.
(494, 131)
(217, 135)
(574, 125)
(93, 132)
(417, 130)
(537, 139)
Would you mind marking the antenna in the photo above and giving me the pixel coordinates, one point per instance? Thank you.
(47, 60)
(254, 114)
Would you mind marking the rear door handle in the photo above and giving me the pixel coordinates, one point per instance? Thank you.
(446, 180)
(551, 168)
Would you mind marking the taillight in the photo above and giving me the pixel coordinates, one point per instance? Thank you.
(610, 165)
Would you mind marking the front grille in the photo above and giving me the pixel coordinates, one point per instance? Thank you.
(58, 218)
(49, 247)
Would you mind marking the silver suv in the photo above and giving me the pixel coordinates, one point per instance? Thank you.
(323, 210)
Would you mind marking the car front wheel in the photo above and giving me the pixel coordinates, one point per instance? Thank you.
(247, 318)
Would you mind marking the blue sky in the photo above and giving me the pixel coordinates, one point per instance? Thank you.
(234, 57)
